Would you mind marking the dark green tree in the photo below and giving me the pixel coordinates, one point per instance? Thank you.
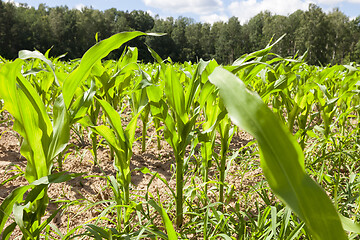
(340, 37)
(254, 30)
(314, 33)
(179, 36)
(7, 20)
(63, 24)
(164, 45)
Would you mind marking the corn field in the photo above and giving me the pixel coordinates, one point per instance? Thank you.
(301, 125)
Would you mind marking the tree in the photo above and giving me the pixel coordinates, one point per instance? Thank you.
(229, 42)
(355, 34)
(63, 24)
(294, 22)
(314, 33)
(207, 42)
(179, 37)
(254, 30)
(7, 20)
(140, 21)
(275, 27)
(165, 45)
(193, 36)
(340, 36)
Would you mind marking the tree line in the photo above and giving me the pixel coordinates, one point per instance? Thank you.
(328, 38)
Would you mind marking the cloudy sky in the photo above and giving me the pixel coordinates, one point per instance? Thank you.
(208, 10)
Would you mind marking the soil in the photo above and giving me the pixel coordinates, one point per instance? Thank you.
(88, 190)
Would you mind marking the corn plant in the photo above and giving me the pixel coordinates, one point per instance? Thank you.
(121, 141)
(155, 95)
(206, 137)
(179, 125)
(226, 131)
(140, 103)
(43, 141)
(90, 58)
(27, 215)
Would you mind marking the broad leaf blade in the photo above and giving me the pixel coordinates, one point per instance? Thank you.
(6, 206)
(166, 220)
(61, 132)
(94, 54)
(281, 157)
(31, 119)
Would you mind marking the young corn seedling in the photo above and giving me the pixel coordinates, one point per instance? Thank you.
(27, 213)
(155, 94)
(226, 131)
(206, 137)
(179, 125)
(140, 103)
(121, 141)
(43, 141)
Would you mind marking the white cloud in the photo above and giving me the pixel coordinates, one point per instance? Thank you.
(332, 2)
(150, 13)
(201, 7)
(245, 10)
(13, 2)
(211, 11)
(327, 2)
(79, 6)
(213, 18)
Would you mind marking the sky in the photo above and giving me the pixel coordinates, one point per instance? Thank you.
(207, 10)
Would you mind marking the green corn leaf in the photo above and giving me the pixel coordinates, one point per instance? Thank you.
(121, 140)
(17, 194)
(31, 119)
(98, 232)
(130, 55)
(18, 211)
(94, 54)
(350, 225)
(120, 163)
(8, 231)
(281, 158)
(168, 224)
(81, 105)
(26, 54)
(56, 178)
(175, 93)
(154, 93)
(61, 129)
(115, 121)
(6, 206)
(46, 222)
(155, 55)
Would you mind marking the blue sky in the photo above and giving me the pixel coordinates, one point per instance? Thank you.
(208, 10)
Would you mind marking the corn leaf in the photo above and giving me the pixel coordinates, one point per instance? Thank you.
(31, 119)
(17, 194)
(166, 220)
(94, 54)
